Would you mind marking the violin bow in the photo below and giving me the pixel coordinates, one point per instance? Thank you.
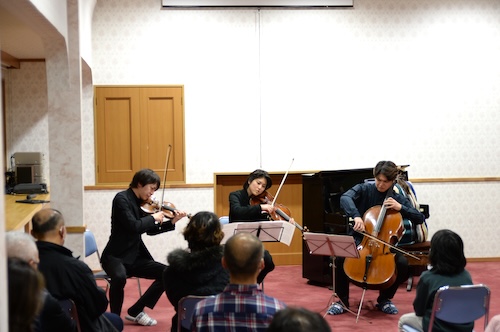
(282, 182)
(278, 191)
(389, 245)
(165, 174)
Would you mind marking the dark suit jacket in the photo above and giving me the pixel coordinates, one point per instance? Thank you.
(128, 223)
(69, 278)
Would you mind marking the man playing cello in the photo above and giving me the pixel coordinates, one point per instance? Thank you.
(355, 202)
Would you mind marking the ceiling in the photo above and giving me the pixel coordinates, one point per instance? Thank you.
(17, 39)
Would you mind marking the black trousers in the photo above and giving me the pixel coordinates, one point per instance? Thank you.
(342, 280)
(142, 268)
(268, 266)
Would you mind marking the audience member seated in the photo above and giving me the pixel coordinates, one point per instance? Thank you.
(25, 295)
(296, 319)
(493, 324)
(52, 317)
(447, 261)
(197, 271)
(242, 306)
(67, 277)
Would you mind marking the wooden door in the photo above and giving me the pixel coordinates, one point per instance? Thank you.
(134, 128)
(161, 128)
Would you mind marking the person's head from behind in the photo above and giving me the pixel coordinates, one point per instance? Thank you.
(385, 173)
(257, 182)
(296, 319)
(48, 225)
(22, 245)
(145, 183)
(203, 231)
(243, 258)
(446, 255)
(25, 294)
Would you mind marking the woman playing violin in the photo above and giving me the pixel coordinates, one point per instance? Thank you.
(355, 202)
(126, 254)
(242, 208)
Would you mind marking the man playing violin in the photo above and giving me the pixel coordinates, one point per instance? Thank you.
(126, 254)
(246, 205)
(355, 202)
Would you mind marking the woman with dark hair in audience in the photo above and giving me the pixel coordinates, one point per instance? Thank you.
(447, 261)
(297, 319)
(198, 270)
(25, 295)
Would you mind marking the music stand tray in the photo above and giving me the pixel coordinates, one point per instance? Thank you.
(331, 245)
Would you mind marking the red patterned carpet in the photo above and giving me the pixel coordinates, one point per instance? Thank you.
(287, 284)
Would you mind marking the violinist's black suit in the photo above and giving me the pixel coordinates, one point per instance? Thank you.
(126, 254)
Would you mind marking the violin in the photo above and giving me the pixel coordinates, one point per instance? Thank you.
(281, 212)
(376, 269)
(153, 206)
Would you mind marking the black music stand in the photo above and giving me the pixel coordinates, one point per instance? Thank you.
(331, 245)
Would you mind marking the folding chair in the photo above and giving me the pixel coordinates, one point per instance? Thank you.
(90, 249)
(459, 305)
(70, 308)
(185, 310)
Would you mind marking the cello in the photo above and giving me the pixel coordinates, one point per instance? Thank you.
(376, 269)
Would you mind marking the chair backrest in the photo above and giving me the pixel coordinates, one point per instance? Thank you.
(185, 310)
(91, 244)
(70, 308)
(224, 220)
(461, 304)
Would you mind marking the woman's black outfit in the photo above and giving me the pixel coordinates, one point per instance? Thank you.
(240, 210)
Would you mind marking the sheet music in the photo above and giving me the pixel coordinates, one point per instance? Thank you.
(331, 245)
(266, 231)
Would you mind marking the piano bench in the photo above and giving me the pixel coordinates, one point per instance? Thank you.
(416, 267)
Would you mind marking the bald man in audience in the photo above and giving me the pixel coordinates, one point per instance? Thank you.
(242, 306)
(67, 277)
(52, 317)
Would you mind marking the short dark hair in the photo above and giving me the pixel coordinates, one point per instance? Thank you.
(297, 319)
(243, 253)
(446, 255)
(43, 223)
(257, 174)
(204, 230)
(144, 177)
(386, 168)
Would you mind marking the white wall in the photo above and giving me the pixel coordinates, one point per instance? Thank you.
(328, 87)
(414, 82)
